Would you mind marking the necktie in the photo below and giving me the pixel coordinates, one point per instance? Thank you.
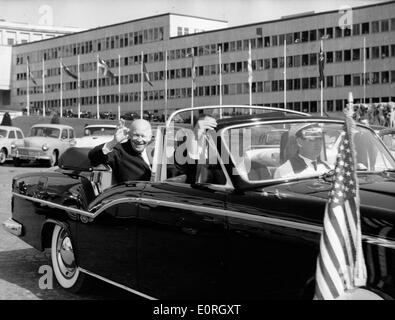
(314, 163)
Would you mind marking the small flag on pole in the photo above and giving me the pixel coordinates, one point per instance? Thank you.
(103, 65)
(321, 63)
(193, 71)
(340, 264)
(249, 66)
(30, 73)
(68, 71)
(146, 75)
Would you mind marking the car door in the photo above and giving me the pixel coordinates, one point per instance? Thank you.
(19, 141)
(107, 244)
(11, 139)
(272, 251)
(181, 241)
(182, 230)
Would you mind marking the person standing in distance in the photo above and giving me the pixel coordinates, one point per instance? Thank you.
(126, 152)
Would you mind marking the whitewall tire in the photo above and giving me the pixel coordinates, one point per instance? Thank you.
(64, 263)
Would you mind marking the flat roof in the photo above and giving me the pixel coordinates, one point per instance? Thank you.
(293, 17)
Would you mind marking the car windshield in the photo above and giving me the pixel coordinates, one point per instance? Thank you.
(99, 131)
(307, 148)
(45, 132)
(3, 133)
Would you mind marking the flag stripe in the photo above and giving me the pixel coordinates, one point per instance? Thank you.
(332, 269)
(339, 235)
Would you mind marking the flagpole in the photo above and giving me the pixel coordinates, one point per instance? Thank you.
(61, 87)
(79, 87)
(119, 87)
(322, 85)
(97, 87)
(285, 74)
(220, 80)
(250, 73)
(27, 88)
(142, 86)
(43, 88)
(193, 75)
(165, 85)
(364, 70)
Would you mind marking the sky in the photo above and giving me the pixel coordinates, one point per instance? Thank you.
(94, 13)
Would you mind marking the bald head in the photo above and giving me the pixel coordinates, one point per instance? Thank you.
(140, 134)
(140, 124)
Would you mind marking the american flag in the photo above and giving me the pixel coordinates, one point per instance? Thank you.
(340, 264)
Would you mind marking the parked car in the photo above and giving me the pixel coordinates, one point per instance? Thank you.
(95, 134)
(9, 137)
(130, 116)
(46, 143)
(227, 234)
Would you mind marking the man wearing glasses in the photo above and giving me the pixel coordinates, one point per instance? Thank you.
(306, 161)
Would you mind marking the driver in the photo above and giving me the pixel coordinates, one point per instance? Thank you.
(306, 161)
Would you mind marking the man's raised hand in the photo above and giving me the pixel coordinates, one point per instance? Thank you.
(121, 132)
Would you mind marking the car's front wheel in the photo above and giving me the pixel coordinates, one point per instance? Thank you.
(63, 261)
(3, 155)
(53, 160)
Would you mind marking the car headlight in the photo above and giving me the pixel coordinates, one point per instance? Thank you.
(13, 146)
(44, 147)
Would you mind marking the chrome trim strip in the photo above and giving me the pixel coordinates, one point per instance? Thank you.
(117, 284)
(55, 205)
(220, 212)
(12, 227)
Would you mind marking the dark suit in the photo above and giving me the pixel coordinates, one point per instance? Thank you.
(126, 163)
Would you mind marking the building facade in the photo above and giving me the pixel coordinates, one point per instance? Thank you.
(12, 33)
(359, 57)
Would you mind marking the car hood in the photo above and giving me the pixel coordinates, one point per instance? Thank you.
(37, 142)
(309, 197)
(92, 141)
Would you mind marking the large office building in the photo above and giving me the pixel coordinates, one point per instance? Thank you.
(12, 33)
(359, 48)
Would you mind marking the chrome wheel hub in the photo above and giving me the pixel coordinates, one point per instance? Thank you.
(65, 255)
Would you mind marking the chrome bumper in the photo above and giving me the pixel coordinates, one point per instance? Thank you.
(13, 227)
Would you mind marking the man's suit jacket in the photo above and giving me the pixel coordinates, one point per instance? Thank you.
(126, 163)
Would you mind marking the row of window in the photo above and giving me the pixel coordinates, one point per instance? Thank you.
(156, 34)
(240, 66)
(328, 33)
(97, 45)
(383, 77)
(304, 106)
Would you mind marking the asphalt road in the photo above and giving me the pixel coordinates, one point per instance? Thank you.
(20, 263)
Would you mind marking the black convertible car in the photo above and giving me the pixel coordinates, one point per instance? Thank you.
(232, 230)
